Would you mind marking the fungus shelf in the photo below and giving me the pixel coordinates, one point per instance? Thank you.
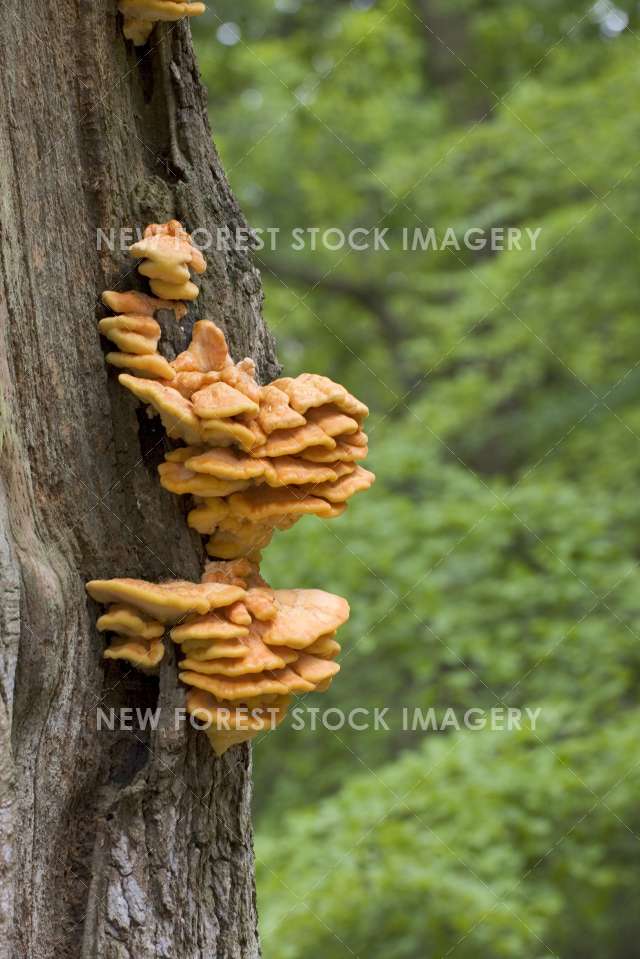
(140, 16)
(254, 458)
(247, 649)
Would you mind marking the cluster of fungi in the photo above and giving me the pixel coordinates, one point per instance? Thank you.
(254, 458)
(140, 16)
(247, 648)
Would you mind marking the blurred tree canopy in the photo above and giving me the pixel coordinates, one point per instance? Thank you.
(495, 562)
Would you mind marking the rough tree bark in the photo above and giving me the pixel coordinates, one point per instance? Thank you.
(123, 845)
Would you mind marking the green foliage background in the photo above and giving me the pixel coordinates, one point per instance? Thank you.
(495, 562)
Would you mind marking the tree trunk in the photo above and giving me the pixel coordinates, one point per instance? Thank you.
(124, 844)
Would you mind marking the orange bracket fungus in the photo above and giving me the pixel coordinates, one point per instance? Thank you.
(167, 254)
(136, 637)
(246, 649)
(136, 333)
(247, 472)
(254, 458)
(140, 16)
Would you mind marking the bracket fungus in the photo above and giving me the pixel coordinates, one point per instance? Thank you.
(136, 332)
(167, 253)
(140, 16)
(246, 649)
(254, 458)
(136, 636)
(266, 455)
(257, 457)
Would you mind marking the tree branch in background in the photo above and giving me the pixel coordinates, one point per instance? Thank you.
(446, 55)
(372, 296)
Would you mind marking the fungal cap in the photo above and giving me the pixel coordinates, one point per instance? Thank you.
(258, 437)
(175, 412)
(221, 740)
(172, 273)
(294, 471)
(226, 432)
(235, 688)
(208, 709)
(207, 627)
(150, 364)
(137, 31)
(163, 248)
(343, 468)
(262, 502)
(228, 726)
(257, 658)
(178, 479)
(219, 401)
(175, 291)
(325, 646)
(206, 352)
(144, 653)
(346, 450)
(311, 389)
(289, 442)
(261, 604)
(294, 682)
(202, 651)
(357, 439)
(175, 229)
(226, 463)
(332, 420)
(342, 489)
(239, 614)
(275, 411)
(189, 382)
(242, 377)
(304, 615)
(127, 621)
(315, 670)
(182, 453)
(131, 333)
(206, 517)
(170, 228)
(140, 303)
(151, 10)
(166, 602)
